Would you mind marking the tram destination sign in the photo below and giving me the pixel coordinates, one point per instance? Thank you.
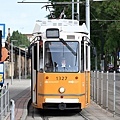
(52, 33)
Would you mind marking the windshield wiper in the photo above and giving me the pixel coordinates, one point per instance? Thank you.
(73, 52)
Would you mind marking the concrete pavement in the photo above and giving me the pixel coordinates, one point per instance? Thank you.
(20, 93)
(95, 112)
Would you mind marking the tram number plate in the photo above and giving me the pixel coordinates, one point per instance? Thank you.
(61, 78)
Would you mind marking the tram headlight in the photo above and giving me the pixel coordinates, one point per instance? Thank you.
(61, 89)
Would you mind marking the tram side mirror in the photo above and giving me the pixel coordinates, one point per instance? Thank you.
(90, 43)
(39, 38)
(84, 38)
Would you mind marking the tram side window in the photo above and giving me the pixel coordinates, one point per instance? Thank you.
(86, 57)
(48, 58)
(82, 56)
(35, 56)
(48, 62)
(41, 59)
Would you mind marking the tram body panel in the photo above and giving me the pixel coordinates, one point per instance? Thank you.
(48, 85)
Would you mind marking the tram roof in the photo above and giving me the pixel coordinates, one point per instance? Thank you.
(64, 25)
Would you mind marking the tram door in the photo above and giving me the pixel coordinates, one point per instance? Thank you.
(35, 69)
(87, 70)
(85, 63)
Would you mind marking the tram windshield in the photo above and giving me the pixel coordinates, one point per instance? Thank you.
(61, 56)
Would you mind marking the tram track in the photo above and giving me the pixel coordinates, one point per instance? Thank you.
(79, 116)
(45, 118)
(85, 117)
(54, 115)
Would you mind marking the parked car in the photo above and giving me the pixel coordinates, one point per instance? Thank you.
(118, 68)
(111, 68)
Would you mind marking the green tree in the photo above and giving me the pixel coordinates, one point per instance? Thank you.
(59, 8)
(21, 39)
(109, 11)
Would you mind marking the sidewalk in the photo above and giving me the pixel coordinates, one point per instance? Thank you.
(95, 112)
(20, 93)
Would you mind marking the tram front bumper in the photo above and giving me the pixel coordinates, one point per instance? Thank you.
(62, 104)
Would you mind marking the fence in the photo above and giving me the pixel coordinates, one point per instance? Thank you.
(4, 101)
(105, 90)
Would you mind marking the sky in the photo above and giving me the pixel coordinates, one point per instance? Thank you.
(21, 16)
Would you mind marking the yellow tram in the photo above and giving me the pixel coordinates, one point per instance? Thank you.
(60, 60)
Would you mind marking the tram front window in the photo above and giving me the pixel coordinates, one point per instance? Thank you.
(60, 57)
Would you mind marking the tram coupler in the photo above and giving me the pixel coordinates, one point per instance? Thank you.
(62, 106)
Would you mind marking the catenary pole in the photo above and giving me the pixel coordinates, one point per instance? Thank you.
(88, 15)
(78, 11)
(72, 9)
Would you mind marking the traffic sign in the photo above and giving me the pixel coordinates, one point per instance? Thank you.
(4, 54)
(2, 27)
(1, 73)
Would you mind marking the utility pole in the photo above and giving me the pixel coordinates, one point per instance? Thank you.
(78, 9)
(19, 64)
(25, 63)
(12, 63)
(72, 9)
(9, 44)
(88, 15)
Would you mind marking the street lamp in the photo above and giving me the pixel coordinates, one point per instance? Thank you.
(25, 63)
(19, 64)
(12, 60)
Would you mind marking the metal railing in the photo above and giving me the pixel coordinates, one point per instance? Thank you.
(4, 101)
(105, 90)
